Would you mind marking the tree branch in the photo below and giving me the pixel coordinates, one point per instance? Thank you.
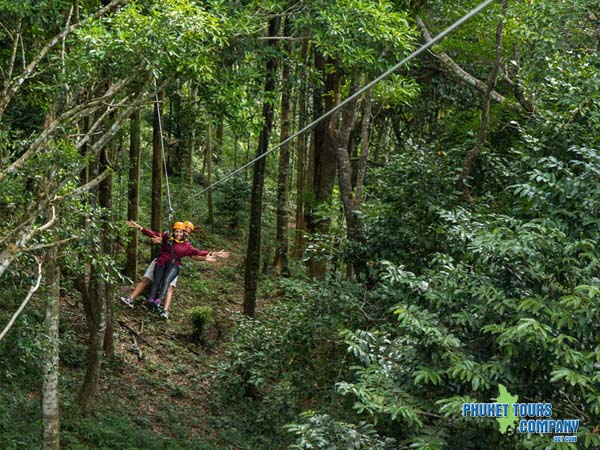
(454, 68)
(25, 301)
(46, 225)
(76, 113)
(22, 233)
(13, 56)
(472, 155)
(14, 86)
(48, 245)
(525, 101)
(365, 143)
(81, 189)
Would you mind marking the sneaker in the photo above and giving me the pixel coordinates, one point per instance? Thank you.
(154, 304)
(128, 301)
(165, 314)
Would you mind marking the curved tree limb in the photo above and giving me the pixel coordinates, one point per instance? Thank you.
(472, 155)
(455, 69)
(75, 113)
(25, 301)
(12, 87)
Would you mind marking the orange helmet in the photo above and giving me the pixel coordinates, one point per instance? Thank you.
(178, 226)
(189, 224)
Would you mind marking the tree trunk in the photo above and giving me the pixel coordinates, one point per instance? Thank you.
(351, 197)
(177, 151)
(105, 202)
(220, 132)
(50, 411)
(454, 68)
(525, 101)
(324, 159)
(190, 159)
(92, 294)
(95, 310)
(472, 155)
(299, 243)
(235, 152)
(280, 262)
(133, 192)
(208, 155)
(253, 252)
(365, 145)
(157, 169)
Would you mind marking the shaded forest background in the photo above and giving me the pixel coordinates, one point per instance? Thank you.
(433, 238)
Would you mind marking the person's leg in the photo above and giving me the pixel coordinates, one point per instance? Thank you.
(141, 287)
(168, 297)
(165, 312)
(159, 273)
(147, 278)
(170, 274)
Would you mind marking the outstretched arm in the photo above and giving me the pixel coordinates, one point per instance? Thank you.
(130, 223)
(207, 258)
(152, 234)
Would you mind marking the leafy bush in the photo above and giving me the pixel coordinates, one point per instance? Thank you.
(515, 303)
(281, 364)
(322, 431)
(201, 317)
(231, 198)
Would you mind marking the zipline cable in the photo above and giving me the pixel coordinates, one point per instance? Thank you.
(366, 87)
(162, 149)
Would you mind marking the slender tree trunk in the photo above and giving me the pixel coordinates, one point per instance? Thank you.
(84, 174)
(211, 218)
(220, 132)
(190, 161)
(105, 202)
(525, 101)
(301, 157)
(365, 145)
(342, 138)
(473, 154)
(157, 168)
(50, 408)
(248, 146)
(133, 192)
(95, 309)
(92, 294)
(324, 160)
(253, 253)
(351, 197)
(177, 152)
(280, 262)
(235, 152)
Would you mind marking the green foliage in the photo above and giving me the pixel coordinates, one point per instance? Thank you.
(358, 33)
(461, 298)
(562, 188)
(167, 37)
(231, 201)
(22, 348)
(514, 307)
(202, 317)
(287, 360)
(322, 431)
(402, 223)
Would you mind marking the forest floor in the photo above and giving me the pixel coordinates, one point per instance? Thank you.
(160, 379)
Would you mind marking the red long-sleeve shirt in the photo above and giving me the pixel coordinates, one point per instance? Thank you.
(180, 249)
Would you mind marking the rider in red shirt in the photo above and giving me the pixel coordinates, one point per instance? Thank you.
(174, 247)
